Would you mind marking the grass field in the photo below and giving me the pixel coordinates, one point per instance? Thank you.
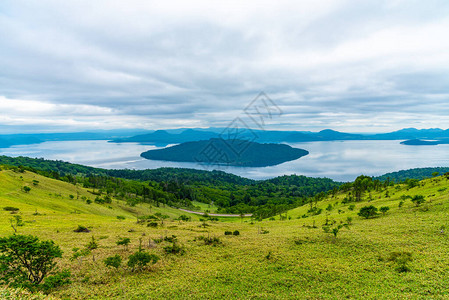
(288, 259)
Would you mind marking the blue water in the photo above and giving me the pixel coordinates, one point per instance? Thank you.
(339, 160)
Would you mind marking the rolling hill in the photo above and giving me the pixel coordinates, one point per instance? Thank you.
(286, 256)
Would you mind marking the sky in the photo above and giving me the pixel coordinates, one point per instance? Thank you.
(355, 66)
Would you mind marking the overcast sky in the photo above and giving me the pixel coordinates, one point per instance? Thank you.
(357, 66)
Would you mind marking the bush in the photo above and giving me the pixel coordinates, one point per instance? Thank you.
(418, 200)
(368, 212)
(214, 241)
(25, 261)
(236, 232)
(55, 281)
(351, 207)
(113, 261)
(228, 233)
(384, 209)
(123, 242)
(401, 259)
(174, 248)
(81, 229)
(120, 218)
(140, 259)
(26, 189)
(10, 208)
(184, 218)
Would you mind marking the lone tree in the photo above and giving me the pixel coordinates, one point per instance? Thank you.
(384, 209)
(25, 260)
(368, 212)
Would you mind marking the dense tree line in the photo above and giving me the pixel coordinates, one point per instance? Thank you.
(179, 187)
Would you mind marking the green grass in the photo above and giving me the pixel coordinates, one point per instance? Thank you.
(292, 261)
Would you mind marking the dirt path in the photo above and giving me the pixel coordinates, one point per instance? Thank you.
(213, 215)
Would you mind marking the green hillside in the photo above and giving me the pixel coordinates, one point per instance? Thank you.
(287, 257)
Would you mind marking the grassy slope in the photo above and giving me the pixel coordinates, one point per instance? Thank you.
(316, 267)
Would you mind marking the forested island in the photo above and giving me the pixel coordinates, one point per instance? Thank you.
(239, 153)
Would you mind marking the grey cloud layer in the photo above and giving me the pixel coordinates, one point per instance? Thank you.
(337, 64)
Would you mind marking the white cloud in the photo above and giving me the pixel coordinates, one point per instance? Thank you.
(338, 64)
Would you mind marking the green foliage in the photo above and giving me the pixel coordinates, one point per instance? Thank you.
(174, 248)
(25, 261)
(26, 189)
(113, 261)
(418, 200)
(140, 259)
(213, 241)
(120, 218)
(10, 208)
(368, 212)
(236, 232)
(351, 207)
(92, 245)
(81, 228)
(123, 242)
(401, 259)
(228, 233)
(15, 222)
(57, 280)
(384, 209)
(184, 218)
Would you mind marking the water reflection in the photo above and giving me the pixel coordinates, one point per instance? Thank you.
(339, 160)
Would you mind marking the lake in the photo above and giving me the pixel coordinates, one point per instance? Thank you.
(339, 160)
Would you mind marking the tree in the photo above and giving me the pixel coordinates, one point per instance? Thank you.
(16, 222)
(25, 260)
(26, 189)
(418, 200)
(384, 209)
(113, 261)
(140, 259)
(124, 242)
(368, 211)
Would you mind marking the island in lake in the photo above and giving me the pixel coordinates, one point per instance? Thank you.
(419, 142)
(241, 153)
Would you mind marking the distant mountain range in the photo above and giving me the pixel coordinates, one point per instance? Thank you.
(271, 136)
(217, 151)
(181, 135)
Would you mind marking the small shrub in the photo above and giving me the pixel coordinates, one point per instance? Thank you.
(236, 232)
(351, 207)
(174, 248)
(213, 241)
(418, 200)
(81, 229)
(401, 203)
(57, 280)
(120, 218)
(401, 259)
(140, 259)
(228, 233)
(123, 242)
(113, 261)
(384, 209)
(184, 218)
(10, 208)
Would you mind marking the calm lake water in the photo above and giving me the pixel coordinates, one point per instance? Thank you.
(339, 160)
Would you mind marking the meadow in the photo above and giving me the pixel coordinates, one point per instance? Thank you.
(288, 256)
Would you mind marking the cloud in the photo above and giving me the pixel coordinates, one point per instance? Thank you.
(348, 65)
